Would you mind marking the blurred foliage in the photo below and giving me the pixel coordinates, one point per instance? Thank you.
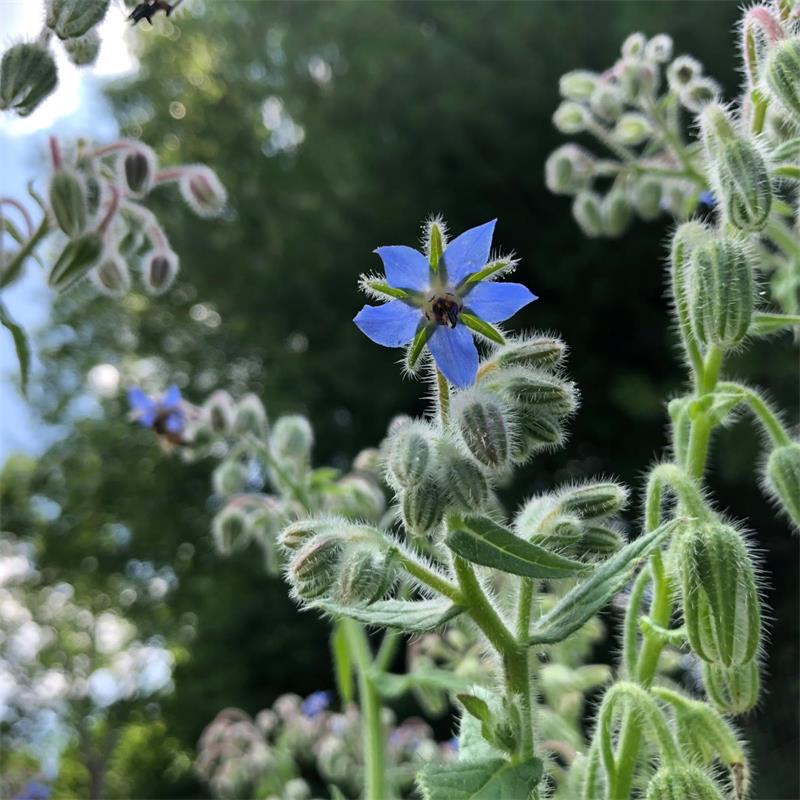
(337, 127)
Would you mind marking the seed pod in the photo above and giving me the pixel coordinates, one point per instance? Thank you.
(410, 457)
(732, 690)
(720, 595)
(675, 781)
(606, 102)
(76, 259)
(423, 506)
(220, 411)
(84, 50)
(646, 198)
(230, 530)
(112, 276)
(593, 500)
(681, 71)
(67, 197)
(578, 85)
(721, 291)
(568, 170)
(313, 569)
(160, 269)
(544, 352)
(745, 191)
(617, 213)
(230, 477)
(28, 74)
(782, 73)
(782, 479)
(202, 190)
(483, 423)
(365, 576)
(571, 118)
(250, 417)
(137, 168)
(587, 210)
(69, 19)
(465, 482)
(632, 129)
(537, 391)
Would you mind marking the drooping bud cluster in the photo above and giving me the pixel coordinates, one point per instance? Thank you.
(782, 480)
(680, 781)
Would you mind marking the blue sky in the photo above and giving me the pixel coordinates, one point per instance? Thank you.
(75, 109)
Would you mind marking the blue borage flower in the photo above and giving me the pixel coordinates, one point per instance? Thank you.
(315, 704)
(442, 299)
(165, 415)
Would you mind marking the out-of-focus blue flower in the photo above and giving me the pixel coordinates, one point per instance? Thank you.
(315, 704)
(707, 199)
(438, 299)
(34, 790)
(164, 415)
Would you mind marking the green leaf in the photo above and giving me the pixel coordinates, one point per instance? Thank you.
(484, 542)
(763, 324)
(580, 604)
(390, 685)
(475, 706)
(417, 345)
(408, 615)
(483, 328)
(21, 345)
(494, 779)
(342, 663)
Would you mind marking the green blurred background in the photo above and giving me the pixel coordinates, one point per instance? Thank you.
(339, 126)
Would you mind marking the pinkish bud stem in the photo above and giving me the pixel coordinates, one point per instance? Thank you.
(168, 175)
(55, 153)
(112, 209)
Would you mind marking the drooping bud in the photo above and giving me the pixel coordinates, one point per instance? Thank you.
(782, 479)
(28, 74)
(578, 85)
(368, 462)
(295, 535)
(721, 291)
(365, 576)
(69, 19)
(159, 270)
(535, 432)
(632, 129)
(137, 168)
(410, 454)
(423, 506)
(607, 101)
(230, 530)
(646, 198)
(535, 389)
(587, 210)
(357, 498)
(677, 781)
(568, 170)
(250, 417)
(76, 259)
(634, 45)
(732, 690)
(313, 569)
(720, 595)
(698, 93)
(782, 73)
(230, 477)
(617, 213)
(593, 500)
(202, 190)
(682, 71)
(484, 425)
(291, 441)
(84, 50)
(465, 482)
(220, 411)
(112, 276)
(67, 197)
(745, 190)
(545, 352)
(571, 118)
(659, 48)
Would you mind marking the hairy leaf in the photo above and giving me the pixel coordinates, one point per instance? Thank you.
(408, 615)
(494, 779)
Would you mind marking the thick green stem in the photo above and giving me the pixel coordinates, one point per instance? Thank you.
(772, 425)
(373, 734)
(526, 590)
(426, 576)
(14, 267)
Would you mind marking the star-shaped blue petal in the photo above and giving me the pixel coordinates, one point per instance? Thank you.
(405, 267)
(469, 252)
(496, 302)
(392, 324)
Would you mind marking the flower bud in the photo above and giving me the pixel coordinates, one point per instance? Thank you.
(423, 506)
(720, 596)
(632, 129)
(732, 690)
(483, 424)
(646, 198)
(659, 48)
(721, 291)
(675, 781)
(536, 390)
(465, 482)
(250, 417)
(83, 51)
(220, 410)
(571, 118)
(578, 85)
(76, 259)
(782, 478)
(637, 78)
(137, 166)
(698, 93)
(69, 19)
(600, 541)
(230, 530)
(593, 500)
(354, 497)
(202, 190)
(365, 576)
(634, 45)
(568, 170)
(617, 213)
(682, 71)
(410, 457)
(745, 190)
(68, 202)
(587, 210)
(606, 102)
(782, 74)
(545, 352)
(112, 276)
(160, 269)
(291, 441)
(368, 461)
(230, 477)
(28, 74)
(313, 568)
(535, 432)
(295, 535)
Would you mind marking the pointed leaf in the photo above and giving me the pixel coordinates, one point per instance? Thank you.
(408, 615)
(580, 604)
(762, 324)
(494, 779)
(483, 328)
(21, 345)
(390, 685)
(342, 663)
(418, 345)
(475, 706)
(484, 542)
